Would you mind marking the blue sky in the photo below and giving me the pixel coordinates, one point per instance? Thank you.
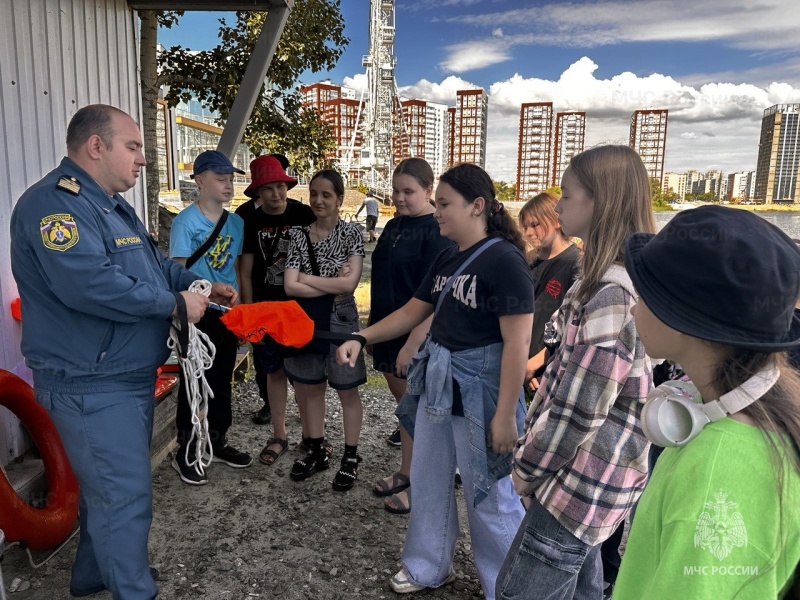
(715, 64)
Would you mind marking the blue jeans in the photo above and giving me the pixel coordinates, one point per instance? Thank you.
(106, 436)
(547, 562)
(433, 526)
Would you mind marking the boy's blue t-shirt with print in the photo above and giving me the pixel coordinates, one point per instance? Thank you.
(191, 228)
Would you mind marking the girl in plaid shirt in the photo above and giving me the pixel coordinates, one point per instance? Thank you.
(582, 462)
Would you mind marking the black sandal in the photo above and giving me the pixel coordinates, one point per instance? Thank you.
(304, 446)
(399, 482)
(308, 465)
(346, 477)
(267, 456)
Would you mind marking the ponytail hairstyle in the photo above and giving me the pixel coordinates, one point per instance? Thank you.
(336, 181)
(616, 179)
(541, 208)
(472, 183)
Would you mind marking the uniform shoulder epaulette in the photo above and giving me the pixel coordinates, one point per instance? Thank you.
(69, 184)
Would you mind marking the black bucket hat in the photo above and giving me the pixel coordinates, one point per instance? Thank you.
(720, 274)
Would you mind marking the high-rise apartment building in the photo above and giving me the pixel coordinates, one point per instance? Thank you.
(648, 137)
(437, 132)
(739, 186)
(424, 133)
(338, 107)
(471, 119)
(570, 137)
(451, 136)
(674, 182)
(534, 158)
(779, 155)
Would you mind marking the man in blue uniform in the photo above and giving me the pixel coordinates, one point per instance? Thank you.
(97, 297)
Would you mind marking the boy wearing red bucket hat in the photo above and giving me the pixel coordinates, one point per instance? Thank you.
(266, 244)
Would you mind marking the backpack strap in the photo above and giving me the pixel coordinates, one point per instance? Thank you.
(451, 280)
(197, 254)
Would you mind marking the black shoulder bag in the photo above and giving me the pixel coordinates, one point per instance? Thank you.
(197, 254)
(318, 309)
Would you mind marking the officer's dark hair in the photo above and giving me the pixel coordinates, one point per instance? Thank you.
(472, 182)
(94, 119)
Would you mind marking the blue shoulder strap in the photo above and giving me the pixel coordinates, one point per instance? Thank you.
(491, 241)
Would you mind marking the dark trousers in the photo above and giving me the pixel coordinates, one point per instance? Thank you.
(219, 379)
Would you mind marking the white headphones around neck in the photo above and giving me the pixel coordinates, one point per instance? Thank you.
(674, 414)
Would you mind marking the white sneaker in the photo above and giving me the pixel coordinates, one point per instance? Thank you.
(401, 584)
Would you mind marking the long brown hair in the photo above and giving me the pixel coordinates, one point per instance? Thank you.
(616, 179)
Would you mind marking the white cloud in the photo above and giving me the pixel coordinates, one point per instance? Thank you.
(358, 82)
(444, 92)
(715, 125)
(468, 56)
(767, 25)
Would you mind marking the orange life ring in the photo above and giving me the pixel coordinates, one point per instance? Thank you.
(47, 527)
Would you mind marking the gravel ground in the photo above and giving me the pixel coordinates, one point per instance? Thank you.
(255, 533)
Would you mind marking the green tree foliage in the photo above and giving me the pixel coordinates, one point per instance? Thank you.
(313, 40)
(506, 192)
(658, 200)
(555, 190)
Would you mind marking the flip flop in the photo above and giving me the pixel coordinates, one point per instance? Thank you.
(400, 507)
(399, 483)
(268, 456)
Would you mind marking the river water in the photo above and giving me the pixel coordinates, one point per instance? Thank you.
(789, 222)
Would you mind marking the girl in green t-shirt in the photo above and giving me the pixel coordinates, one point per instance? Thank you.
(720, 517)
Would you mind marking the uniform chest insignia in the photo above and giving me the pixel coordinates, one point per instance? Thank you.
(59, 232)
(70, 184)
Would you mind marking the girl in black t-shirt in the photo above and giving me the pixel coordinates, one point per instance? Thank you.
(469, 379)
(405, 251)
(554, 268)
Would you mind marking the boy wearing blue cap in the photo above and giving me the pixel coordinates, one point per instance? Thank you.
(207, 239)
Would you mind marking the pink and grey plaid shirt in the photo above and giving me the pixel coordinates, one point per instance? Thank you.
(583, 454)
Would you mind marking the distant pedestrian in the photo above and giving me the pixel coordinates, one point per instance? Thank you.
(372, 214)
(582, 463)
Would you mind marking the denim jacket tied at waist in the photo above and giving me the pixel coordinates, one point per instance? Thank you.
(477, 371)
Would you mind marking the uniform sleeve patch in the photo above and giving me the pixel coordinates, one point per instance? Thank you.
(59, 232)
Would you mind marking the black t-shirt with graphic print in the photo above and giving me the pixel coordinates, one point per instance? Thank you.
(269, 253)
(496, 283)
(552, 278)
(344, 240)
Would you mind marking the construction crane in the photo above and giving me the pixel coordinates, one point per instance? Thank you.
(382, 120)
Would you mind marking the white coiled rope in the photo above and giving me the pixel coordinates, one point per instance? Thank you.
(199, 358)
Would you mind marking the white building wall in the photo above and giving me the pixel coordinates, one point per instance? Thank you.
(436, 128)
(56, 56)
